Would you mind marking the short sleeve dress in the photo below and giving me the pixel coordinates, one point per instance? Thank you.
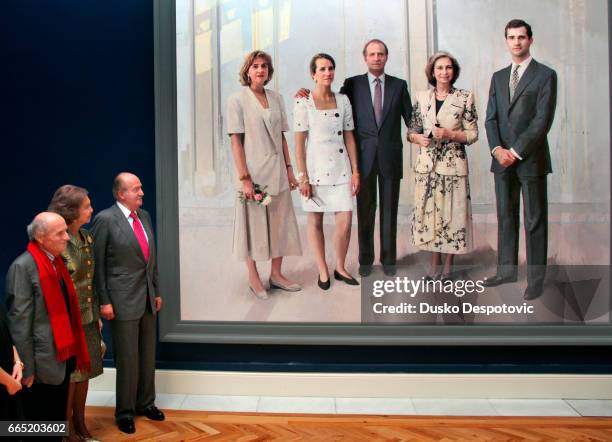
(327, 161)
(271, 231)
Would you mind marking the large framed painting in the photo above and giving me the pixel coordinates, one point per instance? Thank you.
(203, 225)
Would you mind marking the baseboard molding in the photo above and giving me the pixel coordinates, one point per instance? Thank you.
(376, 385)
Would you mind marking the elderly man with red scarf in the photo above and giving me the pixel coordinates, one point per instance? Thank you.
(44, 319)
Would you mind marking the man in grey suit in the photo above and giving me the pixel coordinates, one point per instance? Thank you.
(126, 282)
(379, 103)
(520, 112)
(44, 320)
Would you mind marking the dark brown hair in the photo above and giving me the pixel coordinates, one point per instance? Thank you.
(67, 201)
(248, 61)
(518, 23)
(429, 67)
(313, 61)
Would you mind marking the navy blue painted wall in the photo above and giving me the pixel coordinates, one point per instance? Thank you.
(77, 107)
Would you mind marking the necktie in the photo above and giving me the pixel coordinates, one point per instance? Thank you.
(377, 101)
(140, 235)
(514, 80)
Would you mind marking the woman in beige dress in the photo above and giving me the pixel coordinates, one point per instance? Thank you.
(256, 122)
(443, 122)
(73, 204)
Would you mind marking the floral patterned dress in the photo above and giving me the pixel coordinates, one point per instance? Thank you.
(442, 216)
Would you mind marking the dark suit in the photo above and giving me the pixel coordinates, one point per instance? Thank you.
(522, 124)
(380, 159)
(124, 279)
(31, 331)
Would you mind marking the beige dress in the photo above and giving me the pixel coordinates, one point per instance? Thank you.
(442, 217)
(263, 232)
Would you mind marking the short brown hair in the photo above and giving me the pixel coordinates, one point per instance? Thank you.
(67, 201)
(248, 61)
(429, 67)
(375, 40)
(313, 61)
(518, 23)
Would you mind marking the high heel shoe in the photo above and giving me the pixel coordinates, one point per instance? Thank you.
(348, 279)
(261, 295)
(324, 285)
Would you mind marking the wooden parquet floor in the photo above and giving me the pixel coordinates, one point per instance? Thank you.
(250, 427)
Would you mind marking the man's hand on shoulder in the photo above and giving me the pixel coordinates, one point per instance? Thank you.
(107, 312)
(302, 93)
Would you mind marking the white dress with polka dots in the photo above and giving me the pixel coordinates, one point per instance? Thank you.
(327, 161)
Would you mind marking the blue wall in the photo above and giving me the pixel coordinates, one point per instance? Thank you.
(78, 107)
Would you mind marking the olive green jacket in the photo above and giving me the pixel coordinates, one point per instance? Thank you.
(79, 260)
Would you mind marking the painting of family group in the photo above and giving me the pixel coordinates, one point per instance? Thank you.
(323, 147)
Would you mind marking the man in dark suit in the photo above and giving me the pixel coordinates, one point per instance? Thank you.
(379, 103)
(520, 112)
(44, 320)
(126, 282)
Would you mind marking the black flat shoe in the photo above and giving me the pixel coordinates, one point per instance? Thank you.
(324, 285)
(153, 413)
(433, 277)
(348, 279)
(126, 425)
(444, 277)
(496, 280)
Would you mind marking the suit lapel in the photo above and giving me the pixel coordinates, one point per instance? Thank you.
(505, 84)
(265, 116)
(128, 232)
(430, 110)
(387, 100)
(365, 84)
(149, 231)
(527, 77)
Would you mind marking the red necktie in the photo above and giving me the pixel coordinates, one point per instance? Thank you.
(140, 235)
(377, 101)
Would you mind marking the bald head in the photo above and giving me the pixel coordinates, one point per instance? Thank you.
(127, 190)
(50, 231)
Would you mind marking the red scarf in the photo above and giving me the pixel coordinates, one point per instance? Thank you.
(67, 331)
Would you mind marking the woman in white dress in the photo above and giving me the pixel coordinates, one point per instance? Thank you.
(256, 122)
(328, 174)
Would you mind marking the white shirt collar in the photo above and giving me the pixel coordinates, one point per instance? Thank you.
(372, 77)
(523, 65)
(126, 212)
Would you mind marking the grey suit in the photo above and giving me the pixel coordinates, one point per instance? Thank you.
(124, 279)
(522, 124)
(380, 159)
(29, 322)
(31, 331)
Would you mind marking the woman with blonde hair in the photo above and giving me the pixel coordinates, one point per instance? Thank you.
(256, 122)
